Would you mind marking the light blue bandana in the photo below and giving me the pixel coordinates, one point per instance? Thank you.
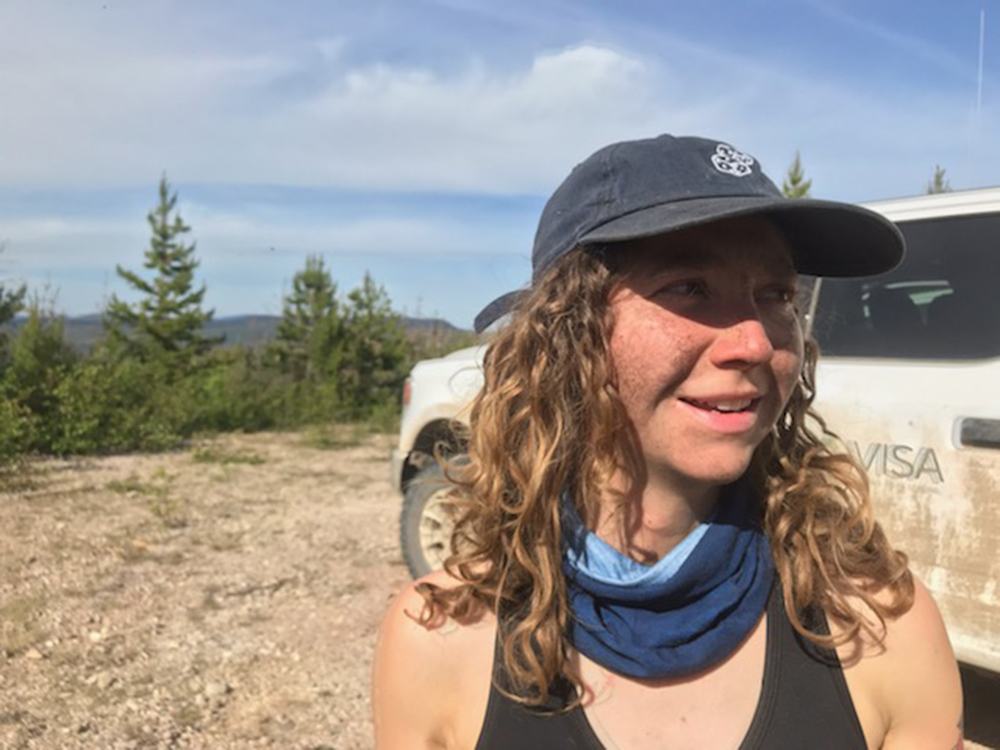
(601, 562)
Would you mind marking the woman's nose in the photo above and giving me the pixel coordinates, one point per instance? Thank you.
(744, 343)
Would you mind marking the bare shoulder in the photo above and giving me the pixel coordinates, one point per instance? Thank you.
(907, 689)
(428, 676)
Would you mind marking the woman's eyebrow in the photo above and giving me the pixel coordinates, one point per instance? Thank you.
(780, 273)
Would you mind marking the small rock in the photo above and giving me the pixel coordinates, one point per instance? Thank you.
(95, 636)
(33, 654)
(216, 690)
(104, 680)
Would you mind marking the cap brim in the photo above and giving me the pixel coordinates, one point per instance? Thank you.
(496, 310)
(826, 238)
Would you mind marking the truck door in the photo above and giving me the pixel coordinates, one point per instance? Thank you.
(909, 379)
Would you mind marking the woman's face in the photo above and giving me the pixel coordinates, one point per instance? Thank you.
(706, 346)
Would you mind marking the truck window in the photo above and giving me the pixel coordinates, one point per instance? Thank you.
(943, 301)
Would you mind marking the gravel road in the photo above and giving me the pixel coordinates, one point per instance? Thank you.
(226, 596)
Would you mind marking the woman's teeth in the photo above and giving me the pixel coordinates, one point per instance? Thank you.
(722, 406)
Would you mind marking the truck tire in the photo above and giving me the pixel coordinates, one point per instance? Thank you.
(426, 522)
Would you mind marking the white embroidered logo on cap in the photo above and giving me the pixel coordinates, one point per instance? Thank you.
(730, 161)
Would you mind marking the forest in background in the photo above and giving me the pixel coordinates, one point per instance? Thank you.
(158, 372)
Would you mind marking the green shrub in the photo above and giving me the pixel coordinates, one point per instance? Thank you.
(16, 429)
(39, 361)
(112, 405)
(335, 361)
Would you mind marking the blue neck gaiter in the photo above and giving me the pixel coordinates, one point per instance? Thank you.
(680, 616)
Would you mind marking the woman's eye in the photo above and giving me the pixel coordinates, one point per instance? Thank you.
(685, 289)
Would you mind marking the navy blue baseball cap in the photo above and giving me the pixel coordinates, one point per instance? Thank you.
(636, 189)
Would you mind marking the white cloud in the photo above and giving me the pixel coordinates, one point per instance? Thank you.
(117, 118)
(411, 129)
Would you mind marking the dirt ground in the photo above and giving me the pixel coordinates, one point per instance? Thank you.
(226, 596)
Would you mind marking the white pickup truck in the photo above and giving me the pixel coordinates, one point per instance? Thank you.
(909, 379)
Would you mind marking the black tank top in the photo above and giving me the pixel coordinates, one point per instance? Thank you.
(804, 702)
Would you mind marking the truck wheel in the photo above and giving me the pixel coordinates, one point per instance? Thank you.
(426, 522)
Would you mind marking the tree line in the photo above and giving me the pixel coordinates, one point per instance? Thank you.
(155, 378)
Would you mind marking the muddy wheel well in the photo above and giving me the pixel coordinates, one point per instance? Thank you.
(444, 435)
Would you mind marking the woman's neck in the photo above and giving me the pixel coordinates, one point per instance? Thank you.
(648, 521)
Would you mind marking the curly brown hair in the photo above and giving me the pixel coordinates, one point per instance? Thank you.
(549, 419)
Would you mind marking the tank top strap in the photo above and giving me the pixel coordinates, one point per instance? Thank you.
(804, 694)
(509, 723)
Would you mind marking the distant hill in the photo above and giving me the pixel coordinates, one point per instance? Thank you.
(240, 330)
(426, 325)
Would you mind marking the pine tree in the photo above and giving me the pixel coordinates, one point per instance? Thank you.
(938, 183)
(795, 185)
(310, 334)
(40, 359)
(15, 419)
(165, 325)
(378, 351)
(11, 303)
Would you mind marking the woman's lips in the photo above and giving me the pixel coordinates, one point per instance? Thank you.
(724, 405)
(725, 415)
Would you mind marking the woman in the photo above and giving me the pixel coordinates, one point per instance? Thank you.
(655, 549)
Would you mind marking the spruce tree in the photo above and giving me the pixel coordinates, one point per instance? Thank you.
(40, 360)
(11, 303)
(166, 324)
(938, 183)
(378, 352)
(310, 334)
(795, 185)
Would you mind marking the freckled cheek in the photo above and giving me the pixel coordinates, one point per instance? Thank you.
(647, 363)
(628, 368)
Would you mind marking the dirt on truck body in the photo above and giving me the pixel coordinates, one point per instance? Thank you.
(908, 378)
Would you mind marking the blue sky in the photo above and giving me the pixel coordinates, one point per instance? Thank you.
(418, 140)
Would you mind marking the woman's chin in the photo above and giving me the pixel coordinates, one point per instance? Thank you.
(716, 471)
